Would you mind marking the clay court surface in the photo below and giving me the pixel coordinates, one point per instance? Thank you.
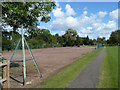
(49, 60)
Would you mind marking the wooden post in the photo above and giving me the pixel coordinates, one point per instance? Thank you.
(6, 84)
(8, 71)
(4, 75)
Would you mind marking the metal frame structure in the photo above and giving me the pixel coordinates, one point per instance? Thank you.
(23, 56)
(99, 45)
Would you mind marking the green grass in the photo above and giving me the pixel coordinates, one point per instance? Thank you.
(109, 70)
(63, 78)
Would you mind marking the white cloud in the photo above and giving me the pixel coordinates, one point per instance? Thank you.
(84, 24)
(114, 14)
(86, 31)
(89, 28)
(85, 12)
(42, 27)
(58, 24)
(82, 35)
(99, 29)
(104, 29)
(53, 33)
(65, 22)
(83, 20)
(72, 22)
(58, 13)
(57, 3)
(102, 14)
(69, 10)
(111, 25)
(61, 33)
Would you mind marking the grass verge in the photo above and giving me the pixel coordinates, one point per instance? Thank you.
(63, 78)
(109, 70)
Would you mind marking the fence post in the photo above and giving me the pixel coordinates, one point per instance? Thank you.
(5, 70)
(8, 76)
(4, 75)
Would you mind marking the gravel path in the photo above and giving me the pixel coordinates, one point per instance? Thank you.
(89, 76)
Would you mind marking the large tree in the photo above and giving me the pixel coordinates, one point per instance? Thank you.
(70, 37)
(101, 40)
(86, 40)
(115, 37)
(30, 14)
(26, 13)
(79, 41)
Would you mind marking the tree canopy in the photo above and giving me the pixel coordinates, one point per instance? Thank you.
(26, 13)
(42, 38)
(70, 37)
(114, 38)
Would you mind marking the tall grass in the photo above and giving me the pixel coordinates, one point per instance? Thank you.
(109, 70)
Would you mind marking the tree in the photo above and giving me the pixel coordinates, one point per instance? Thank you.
(6, 42)
(86, 40)
(55, 40)
(26, 13)
(99, 40)
(91, 42)
(78, 41)
(61, 40)
(104, 41)
(43, 37)
(115, 38)
(94, 41)
(70, 37)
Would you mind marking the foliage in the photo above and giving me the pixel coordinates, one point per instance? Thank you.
(6, 44)
(101, 40)
(79, 41)
(9, 40)
(114, 38)
(27, 13)
(70, 37)
(42, 38)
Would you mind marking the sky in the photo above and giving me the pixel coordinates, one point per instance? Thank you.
(95, 19)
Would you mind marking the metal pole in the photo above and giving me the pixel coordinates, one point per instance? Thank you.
(33, 58)
(23, 55)
(15, 50)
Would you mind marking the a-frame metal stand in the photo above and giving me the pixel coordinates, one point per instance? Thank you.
(23, 56)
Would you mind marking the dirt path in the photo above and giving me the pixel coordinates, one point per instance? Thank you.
(89, 76)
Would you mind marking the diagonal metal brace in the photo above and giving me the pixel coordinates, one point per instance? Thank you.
(15, 50)
(33, 58)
